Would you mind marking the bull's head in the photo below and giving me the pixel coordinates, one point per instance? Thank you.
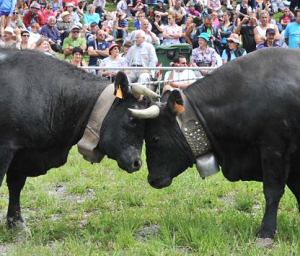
(167, 151)
(122, 134)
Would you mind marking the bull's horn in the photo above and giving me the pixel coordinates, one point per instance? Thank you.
(151, 112)
(139, 89)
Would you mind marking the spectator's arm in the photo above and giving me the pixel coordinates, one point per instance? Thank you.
(257, 37)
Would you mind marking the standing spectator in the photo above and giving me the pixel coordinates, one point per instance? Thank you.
(260, 30)
(24, 41)
(91, 16)
(234, 50)
(6, 9)
(114, 60)
(141, 54)
(172, 32)
(270, 40)
(292, 32)
(98, 48)
(43, 45)
(286, 18)
(51, 32)
(72, 41)
(204, 56)
(77, 58)
(243, 9)
(120, 27)
(122, 7)
(9, 38)
(33, 15)
(186, 74)
(246, 30)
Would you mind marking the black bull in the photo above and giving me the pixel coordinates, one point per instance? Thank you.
(250, 109)
(45, 105)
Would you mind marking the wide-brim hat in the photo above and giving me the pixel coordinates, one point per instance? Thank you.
(113, 46)
(234, 38)
(205, 36)
(9, 30)
(35, 5)
(64, 14)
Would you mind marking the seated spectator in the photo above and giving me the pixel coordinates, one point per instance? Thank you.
(179, 12)
(215, 19)
(226, 28)
(243, 9)
(48, 12)
(185, 74)
(71, 8)
(141, 54)
(33, 15)
(23, 42)
(99, 7)
(126, 47)
(108, 23)
(191, 11)
(122, 7)
(77, 58)
(277, 5)
(261, 28)
(91, 16)
(51, 32)
(34, 34)
(113, 60)
(292, 32)
(233, 50)
(72, 41)
(43, 46)
(204, 56)
(188, 29)
(214, 5)
(64, 25)
(139, 6)
(138, 17)
(161, 10)
(120, 27)
(157, 27)
(270, 40)
(9, 38)
(286, 18)
(91, 33)
(16, 20)
(172, 32)
(98, 48)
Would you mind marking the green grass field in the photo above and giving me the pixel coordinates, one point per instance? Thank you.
(83, 209)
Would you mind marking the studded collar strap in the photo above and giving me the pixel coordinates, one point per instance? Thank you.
(193, 130)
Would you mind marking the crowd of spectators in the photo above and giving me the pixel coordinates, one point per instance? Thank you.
(85, 33)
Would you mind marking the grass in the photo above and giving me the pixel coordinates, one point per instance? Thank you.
(82, 209)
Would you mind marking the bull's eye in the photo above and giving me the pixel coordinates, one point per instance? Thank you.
(155, 139)
(132, 121)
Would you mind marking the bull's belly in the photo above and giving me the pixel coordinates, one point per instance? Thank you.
(33, 163)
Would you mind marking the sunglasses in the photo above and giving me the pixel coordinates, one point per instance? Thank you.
(75, 31)
(25, 35)
(230, 42)
(15, 13)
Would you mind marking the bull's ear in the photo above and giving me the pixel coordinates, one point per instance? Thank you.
(175, 102)
(121, 85)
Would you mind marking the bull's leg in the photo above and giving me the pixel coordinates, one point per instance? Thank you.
(6, 156)
(15, 183)
(294, 185)
(275, 172)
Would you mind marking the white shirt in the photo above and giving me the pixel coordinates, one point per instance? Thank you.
(143, 55)
(113, 63)
(185, 74)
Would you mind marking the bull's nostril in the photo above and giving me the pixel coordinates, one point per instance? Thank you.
(137, 164)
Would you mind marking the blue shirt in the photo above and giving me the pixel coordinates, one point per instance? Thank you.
(90, 18)
(232, 55)
(292, 32)
(51, 33)
(101, 45)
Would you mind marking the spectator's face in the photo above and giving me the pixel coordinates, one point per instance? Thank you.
(75, 33)
(182, 62)
(94, 29)
(214, 15)
(25, 37)
(139, 39)
(207, 23)
(171, 20)
(115, 51)
(177, 3)
(264, 19)
(189, 20)
(101, 35)
(232, 45)
(34, 10)
(141, 16)
(52, 22)
(202, 43)
(298, 17)
(67, 18)
(45, 46)
(70, 9)
(77, 56)
(15, 14)
(7, 36)
(270, 37)
(145, 25)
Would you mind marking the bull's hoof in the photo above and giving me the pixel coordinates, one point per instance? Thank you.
(18, 228)
(264, 242)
